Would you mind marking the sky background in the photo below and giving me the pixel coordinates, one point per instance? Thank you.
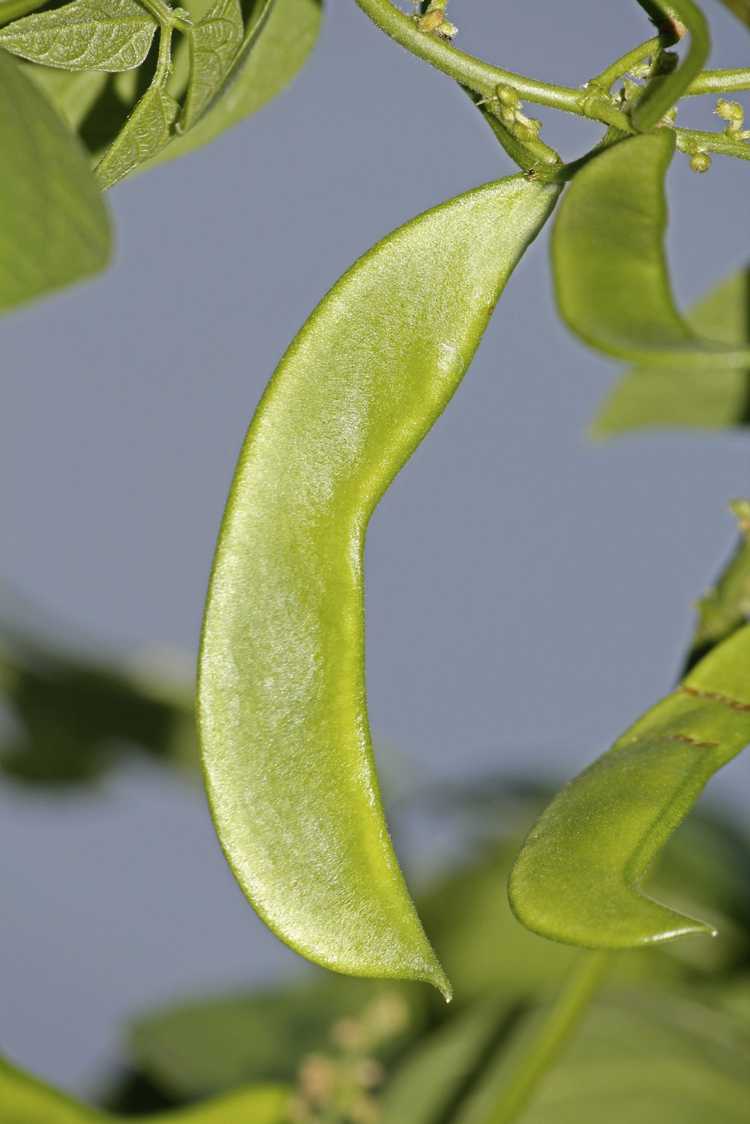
(528, 592)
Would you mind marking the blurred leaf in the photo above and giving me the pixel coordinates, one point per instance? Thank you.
(634, 1059)
(214, 43)
(54, 227)
(610, 267)
(578, 877)
(209, 1046)
(145, 133)
(84, 35)
(24, 1100)
(664, 397)
(72, 94)
(438, 1074)
(72, 718)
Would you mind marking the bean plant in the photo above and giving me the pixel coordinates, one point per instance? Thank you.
(618, 1007)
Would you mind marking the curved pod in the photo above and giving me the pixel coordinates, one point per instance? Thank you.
(578, 877)
(610, 267)
(282, 712)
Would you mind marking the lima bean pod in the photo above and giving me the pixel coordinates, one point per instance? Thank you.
(281, 699)
(609, 262)
(578, 877)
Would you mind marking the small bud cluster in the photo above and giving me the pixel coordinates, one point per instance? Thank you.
(433, 20)
(734, 115)
(339, 1086)
(508, 109)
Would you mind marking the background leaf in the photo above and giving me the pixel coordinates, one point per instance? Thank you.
(671, 1062)
(54, 227)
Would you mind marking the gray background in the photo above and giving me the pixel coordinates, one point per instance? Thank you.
(528, 591)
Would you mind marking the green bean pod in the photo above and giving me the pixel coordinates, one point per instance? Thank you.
(282, 711)
(578, 877)
(609, 262)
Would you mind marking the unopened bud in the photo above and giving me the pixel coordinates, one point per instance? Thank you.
(700, 162)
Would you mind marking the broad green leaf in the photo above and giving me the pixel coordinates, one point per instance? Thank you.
(726, 606)
(266, 63)
(24, 1100)
(665, 90)
(84, 35)
(632, 1060)
(711, 398)
(578, 877)
(281, 701)
(73, 93)
(214, 42)
(54, 227)
(208, 1046)
(147, 131)
(609, 262)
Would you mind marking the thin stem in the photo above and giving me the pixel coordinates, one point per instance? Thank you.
(626, 63)
(719, 82)
(559, 1026)
(164, 58)
(480, 76)
(693, 140)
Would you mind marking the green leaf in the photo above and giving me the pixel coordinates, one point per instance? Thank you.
(281, 701)
(271, 55)
(73, 93)
(214, 43)
(147, 131)
(633, 1059)
(24, 1100)
(54, 227)
(711, 398)
(208, 1046)
(84, 35)
(609, 262)
(578, 877)
(665, 90)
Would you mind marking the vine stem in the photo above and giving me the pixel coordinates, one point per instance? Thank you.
(559, 1026)
(622, 66)
(483, 78)
(719, 82)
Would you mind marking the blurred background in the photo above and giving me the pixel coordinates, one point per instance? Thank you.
(529, 592)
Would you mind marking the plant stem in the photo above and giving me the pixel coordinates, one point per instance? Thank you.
(483, 78)
(692, 141)
(622, 66)
(719, 82)
(562, 1021)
